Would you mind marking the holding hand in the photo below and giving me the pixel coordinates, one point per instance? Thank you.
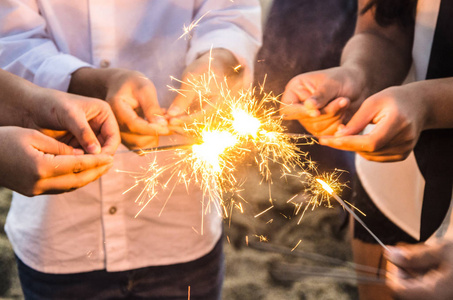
(399, 114)
(430, 267)
(88, 120)
(318, 100)
(132, 98)
(219, 63)
(32, 163)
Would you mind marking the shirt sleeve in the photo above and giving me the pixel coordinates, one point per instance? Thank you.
(27, 50)
(232, 25)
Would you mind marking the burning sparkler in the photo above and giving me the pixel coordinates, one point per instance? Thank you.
(231, 130)
(327, 188)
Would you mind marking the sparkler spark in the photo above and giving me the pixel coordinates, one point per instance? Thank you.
(327, 188)
(188, 29)
(233, 130)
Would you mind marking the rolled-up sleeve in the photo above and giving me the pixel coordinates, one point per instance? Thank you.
(28, 51)
(235, 26)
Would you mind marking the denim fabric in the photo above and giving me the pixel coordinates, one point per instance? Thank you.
(204, 276)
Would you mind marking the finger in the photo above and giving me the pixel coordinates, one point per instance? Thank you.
(197, 116)
(297, 93)
(336, 107)
(110, 136)
(412, 289)
(294, 111)
(379, 137)
(130, 121)
(383, 158)
(133, 141)
(149, 103)
(358, 143)
(69, 182)
(49, 145)
(67, 164)
(84, 134)
(183, 100)
(418, 256)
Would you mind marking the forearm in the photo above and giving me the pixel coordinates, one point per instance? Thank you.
(90, 82)
(16, 99)
(378, 56)
(437, 97)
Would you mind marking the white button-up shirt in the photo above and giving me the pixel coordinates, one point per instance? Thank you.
(95, 227)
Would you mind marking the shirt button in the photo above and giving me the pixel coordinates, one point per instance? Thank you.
(112, 210)
(104, 63)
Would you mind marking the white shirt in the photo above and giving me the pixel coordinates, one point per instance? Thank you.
(397, 188)
(94, 227)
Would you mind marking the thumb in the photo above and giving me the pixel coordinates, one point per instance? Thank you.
(414, 256)
(81, 129)
(150, 105)
(364, 116)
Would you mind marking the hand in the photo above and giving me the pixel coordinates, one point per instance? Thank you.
(89, 120)
(220, 64)
(32, 163)
(132, 98)
(319, 100)
(399, 114)
(430, 267)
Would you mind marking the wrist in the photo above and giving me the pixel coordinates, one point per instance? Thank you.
(89, 82)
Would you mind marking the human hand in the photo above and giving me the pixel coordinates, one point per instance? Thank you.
(32, 163)
(219, 63)
(319, 100)
(90, 121)
(399, 114)
(430, 268)
(132, 98)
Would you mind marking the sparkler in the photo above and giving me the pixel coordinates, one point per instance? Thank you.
(230, 130)
(328, 189)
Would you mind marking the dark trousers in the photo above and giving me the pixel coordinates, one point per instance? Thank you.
(204, 276)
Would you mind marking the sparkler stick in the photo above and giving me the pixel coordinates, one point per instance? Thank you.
(158, 148)
(188, 145)
(349, 210)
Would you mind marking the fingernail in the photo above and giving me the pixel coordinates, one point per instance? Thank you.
(77, 151)
(93, 148)
(340, 133)
(314, 113)
(176, 122)
(344, 102)
(311, 102)
(109, 159)
(161, 120)
(174, 111)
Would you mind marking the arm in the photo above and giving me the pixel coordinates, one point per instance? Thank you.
(374, 58)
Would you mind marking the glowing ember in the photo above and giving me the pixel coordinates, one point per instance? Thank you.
(325, 186)
(245, 124)
(214, 145)
(233, 130)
